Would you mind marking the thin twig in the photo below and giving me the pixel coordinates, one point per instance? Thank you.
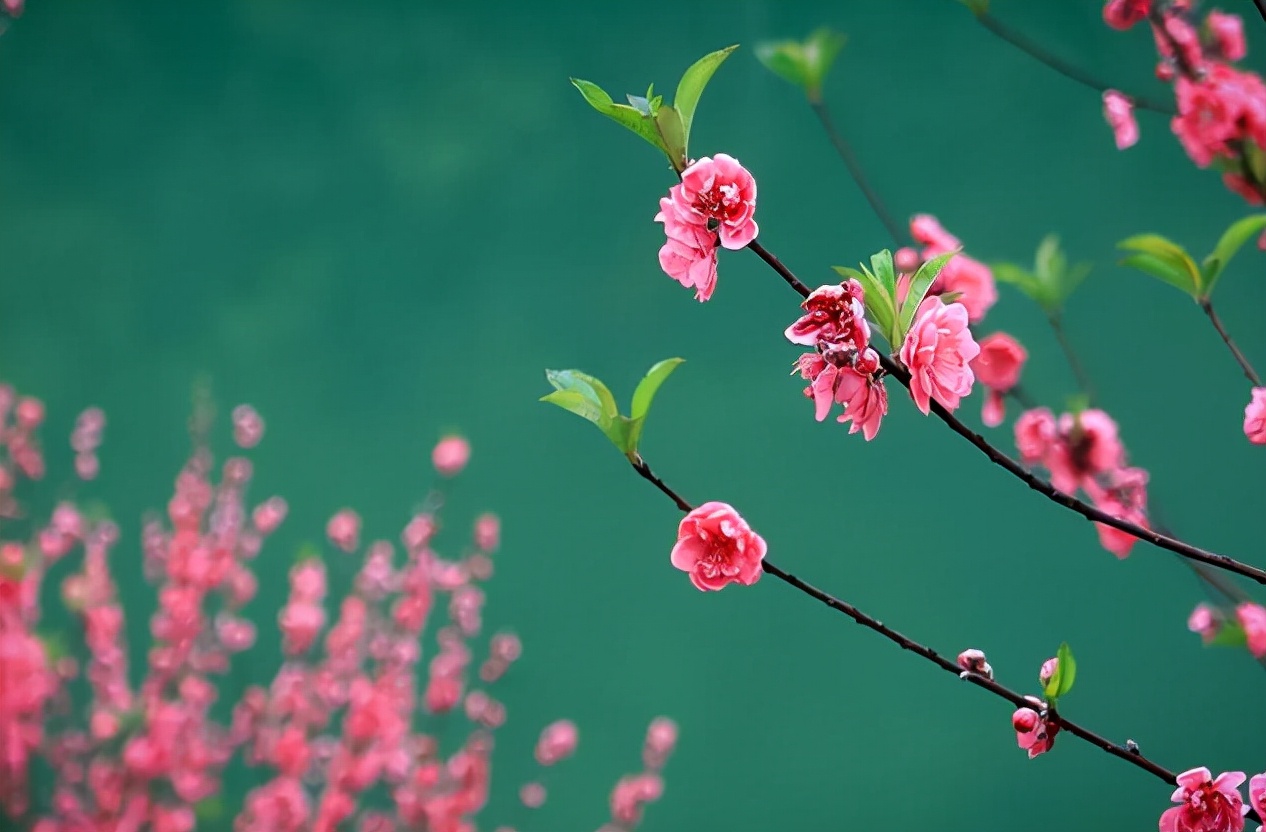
(1074, 362)
(1035, 50)
(948, 665)
(1261, 7)
(1249, 372)
(846, 154)
(1044, 488)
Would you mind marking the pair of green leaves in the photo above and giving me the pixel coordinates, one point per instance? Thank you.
(1169, 262)
(666, 126)
(803, 63)
(590, 399)
(1052, 279)
(879, 283)
(1061, 682)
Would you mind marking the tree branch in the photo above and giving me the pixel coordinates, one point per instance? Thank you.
(1249, 372)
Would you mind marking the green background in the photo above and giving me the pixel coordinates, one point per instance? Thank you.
(378, 221)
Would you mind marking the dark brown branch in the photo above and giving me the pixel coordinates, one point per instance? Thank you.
(1249, 372)
(846, 154)
(946, 664)
(776, 265)
(1261, 7)
(1042, 487)
(1035, 50)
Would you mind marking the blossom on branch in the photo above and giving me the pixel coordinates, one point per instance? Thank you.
(998, 367)
(717, 547)
(1206, 805)
(938, 351)
(1118, 111)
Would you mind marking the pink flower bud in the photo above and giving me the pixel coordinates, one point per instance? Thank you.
(248, 426)
(29, 413)
(1118, 111)
(87, 466)
(488, 532)
(344, 530)
(1033, 733)
(532, 795)
(661, 739)
(1049, 668)
(1206, 621)
(557, 742)
(450, 456)
(269, 514)
(973, 661)
(907, 260)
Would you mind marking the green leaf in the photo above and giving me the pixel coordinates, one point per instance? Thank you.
(673, 135)
(1232, 240)
(589, 399)
(803, 63)
(1067, 670)
(691, 86)
(209, 810)
(1230, 634)
(1162, 269)
(919, 286)
(1165, 260)
(642, 398)
(630, 117)
(881, 265)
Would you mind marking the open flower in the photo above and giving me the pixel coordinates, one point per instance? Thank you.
(1206, 805)
(1252, 618)
(1122, 14)
(971, 279)
(937, 351)
(1034, 733)
(1257, 795)
(1228, 34)
(717, 547)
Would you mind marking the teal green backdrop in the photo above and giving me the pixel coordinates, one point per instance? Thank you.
(379, 221)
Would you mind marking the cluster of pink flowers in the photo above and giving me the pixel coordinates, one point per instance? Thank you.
(715, 546)
(714, 204)
(333, 727)
(971, 280)
(843, 367)
(633, 791)
(1221, 109)
(1084, 451)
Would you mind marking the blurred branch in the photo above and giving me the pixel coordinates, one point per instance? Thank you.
(846, 154)
(1249, 372)
(1035, 50)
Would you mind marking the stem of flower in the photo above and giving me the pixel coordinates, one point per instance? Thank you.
(777, 265)
(906, 643)
(1037, 51)
(1074, 362)
(1249, 372)
(846, 154)
(1042, 487)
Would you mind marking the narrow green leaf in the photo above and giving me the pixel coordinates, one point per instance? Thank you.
(1067, 670)
(786, 60)
(588, 398)
(1232, 240)
(1162, 269)
(622, 114)
(1230, 634)
(672, 133)
(650, 384)
(576, 402)
(691, 86)
(1169, 252)
(881, 265)
(919, 286)
(586, 384)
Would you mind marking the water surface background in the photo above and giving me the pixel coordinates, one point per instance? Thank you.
(380, 221)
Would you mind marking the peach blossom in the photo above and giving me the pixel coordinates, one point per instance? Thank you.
(557, 742)
(1033, 733)
(1255, 417)
(343, 530)
(1122, 14)
(937, 351)
(1205, 804)
(1118, 111)
(970, 278)
(1206, 621)
(1252, 618)
(1228, 34)
(835, 314)
(717, 194)
(998, 367)
(717, 547)
(450, 455)
(690, 258)
(974, 661)
(1257, 795)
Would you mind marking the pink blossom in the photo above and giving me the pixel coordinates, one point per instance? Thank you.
(488, 532)
(248, 426)
(1255, 417)
(973, 661)
(1252, 618)
(1228, 34)
(1206, 805)
(717, 547)
(1206, 621)
(557, 742)
(1048, 670)
(970, 278)
(1033, 733)
(1122, 14)
(1222, 107)
(343, 530)
(714, 203)
(690, 258)
(631, 793)
(717, 194)
(998, 367)
(1118, 111)
(450, 455)
(835, 314)
(532, 795)
(864, 397)
(1035, 434)
(937, 351)
(661, 738)
(906, 260)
